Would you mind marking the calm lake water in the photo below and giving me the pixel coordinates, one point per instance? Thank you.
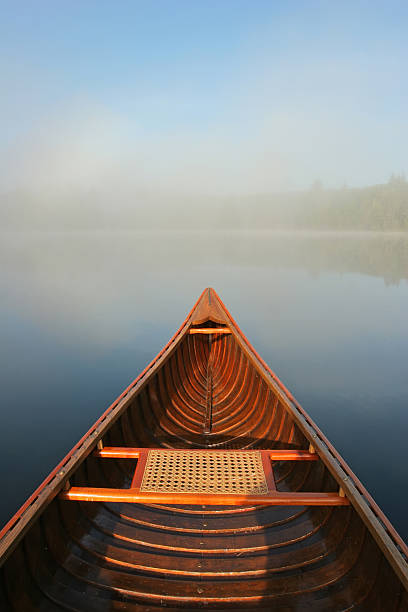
(82, 314)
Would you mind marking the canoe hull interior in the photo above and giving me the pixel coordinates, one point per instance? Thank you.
(206, 392)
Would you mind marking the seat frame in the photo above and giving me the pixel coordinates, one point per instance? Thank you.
(272, 497)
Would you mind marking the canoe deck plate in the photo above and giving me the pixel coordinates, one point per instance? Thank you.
(216, 472)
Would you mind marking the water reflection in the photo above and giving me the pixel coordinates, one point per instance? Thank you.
(83, 312)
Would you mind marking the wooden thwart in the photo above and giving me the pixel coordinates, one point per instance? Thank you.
(134, 496)
(210, 330)
(211, 493)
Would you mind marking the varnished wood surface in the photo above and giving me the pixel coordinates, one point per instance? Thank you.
(121, 452)
(195, 495)
(135, 496)
(117, 556)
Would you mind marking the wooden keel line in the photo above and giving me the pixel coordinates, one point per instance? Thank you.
(209, 398)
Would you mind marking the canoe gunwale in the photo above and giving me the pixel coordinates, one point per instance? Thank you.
(15, 529)
(386, 537)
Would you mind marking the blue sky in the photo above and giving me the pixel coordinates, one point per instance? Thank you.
(202, 97)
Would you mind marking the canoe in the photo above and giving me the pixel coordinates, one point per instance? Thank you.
(204, 485)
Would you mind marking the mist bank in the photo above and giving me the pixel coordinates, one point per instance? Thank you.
(382, 207)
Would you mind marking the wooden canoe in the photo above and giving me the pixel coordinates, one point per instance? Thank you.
(204, 485)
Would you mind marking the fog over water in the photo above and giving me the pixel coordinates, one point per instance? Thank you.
(82, 313)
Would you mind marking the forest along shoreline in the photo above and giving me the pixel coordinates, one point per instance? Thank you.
(382, 208)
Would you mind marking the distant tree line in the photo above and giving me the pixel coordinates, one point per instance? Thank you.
(379, 207)
(376, 208)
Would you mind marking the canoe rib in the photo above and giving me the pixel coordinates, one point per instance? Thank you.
(115, 555)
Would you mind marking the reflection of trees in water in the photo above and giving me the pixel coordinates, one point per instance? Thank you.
(381, 255)
(98, 254)
(384, 255)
